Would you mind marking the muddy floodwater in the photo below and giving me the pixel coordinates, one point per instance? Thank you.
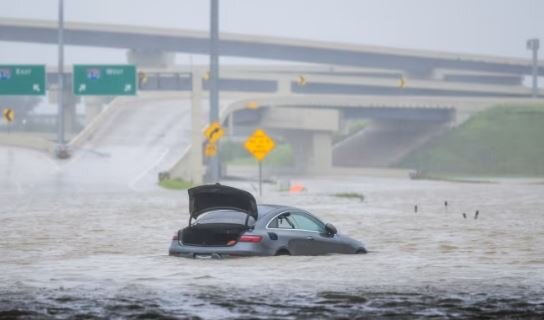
(92, 254)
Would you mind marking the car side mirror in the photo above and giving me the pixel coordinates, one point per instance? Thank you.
(330, 229)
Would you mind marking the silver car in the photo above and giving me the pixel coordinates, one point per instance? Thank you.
(226, 222)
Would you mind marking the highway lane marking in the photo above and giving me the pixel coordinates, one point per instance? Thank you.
(132, 184)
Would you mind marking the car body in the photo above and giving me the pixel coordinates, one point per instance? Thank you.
(227, 222)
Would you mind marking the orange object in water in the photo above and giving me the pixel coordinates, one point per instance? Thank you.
(297, 188)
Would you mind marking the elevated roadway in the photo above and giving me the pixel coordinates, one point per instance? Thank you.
(353, 81)
(139, 138)
(416, 63)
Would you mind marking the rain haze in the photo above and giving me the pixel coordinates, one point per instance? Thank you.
(401, 142)
(479, 27)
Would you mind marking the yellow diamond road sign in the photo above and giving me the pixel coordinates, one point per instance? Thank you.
(259, 144)
(213, 132)
(8, 114)
(210, 149)
(402, 83)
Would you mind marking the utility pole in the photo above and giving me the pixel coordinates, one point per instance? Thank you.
(61, 151)
(213, 163)
(534, 45)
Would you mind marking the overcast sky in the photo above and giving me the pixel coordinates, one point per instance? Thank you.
(492, 27)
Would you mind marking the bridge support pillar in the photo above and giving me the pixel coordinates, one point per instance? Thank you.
(190, 166)
(310, 133)
(284, 86)
(321, 155)
(197, 170)
(312, 150)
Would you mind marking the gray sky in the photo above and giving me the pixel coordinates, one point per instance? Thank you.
(493, 27)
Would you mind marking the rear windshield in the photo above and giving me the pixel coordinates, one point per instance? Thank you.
(224, 216)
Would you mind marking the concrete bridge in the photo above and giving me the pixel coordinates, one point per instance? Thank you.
(350, 81)
(155, 45)
(338, 69)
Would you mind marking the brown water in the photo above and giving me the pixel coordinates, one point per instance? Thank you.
(93, 254)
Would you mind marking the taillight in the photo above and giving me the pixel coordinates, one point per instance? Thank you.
(175, 237)
(250, 238)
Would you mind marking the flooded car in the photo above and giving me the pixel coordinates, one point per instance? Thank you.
(225, 221)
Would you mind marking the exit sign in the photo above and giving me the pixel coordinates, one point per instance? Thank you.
(25, 80)
(104, 80)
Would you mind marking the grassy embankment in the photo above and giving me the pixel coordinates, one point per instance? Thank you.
(175, 184)
(501, 141)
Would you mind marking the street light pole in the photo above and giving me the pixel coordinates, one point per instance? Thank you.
(534, 45)
(213, 81)
(60, 96)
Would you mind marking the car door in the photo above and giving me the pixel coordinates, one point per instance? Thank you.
(321, 242)
(297, 241)
(309, 231)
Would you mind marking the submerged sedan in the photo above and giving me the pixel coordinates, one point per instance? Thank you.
(225, 221)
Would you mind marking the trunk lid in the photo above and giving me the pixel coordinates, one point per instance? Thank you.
(215, 197)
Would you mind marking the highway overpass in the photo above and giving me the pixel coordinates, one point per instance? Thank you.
(347, 81)
(414, 63)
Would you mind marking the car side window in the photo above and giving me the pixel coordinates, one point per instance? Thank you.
(283, 221)
(306, 222)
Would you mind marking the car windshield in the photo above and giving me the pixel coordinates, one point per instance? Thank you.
(224, 216)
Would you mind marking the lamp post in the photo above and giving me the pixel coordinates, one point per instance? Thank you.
(213, 81)
(61, 151)
(534, 45)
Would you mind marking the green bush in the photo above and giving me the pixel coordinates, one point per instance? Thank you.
(350, 195)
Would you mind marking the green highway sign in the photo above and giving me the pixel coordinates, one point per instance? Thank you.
(22, 80)
(104, 80)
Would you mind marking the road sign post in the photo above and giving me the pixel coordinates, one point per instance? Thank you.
(104, 80)
(213, 133)
(211, 149)
(26, 80)
(259, 144)
(213, 164)
(260, 178)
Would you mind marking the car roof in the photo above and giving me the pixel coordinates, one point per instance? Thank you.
(269, 209)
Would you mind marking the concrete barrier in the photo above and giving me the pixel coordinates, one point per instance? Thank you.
(182, 168)
(250, 172)
(91, 128)
(27, 140)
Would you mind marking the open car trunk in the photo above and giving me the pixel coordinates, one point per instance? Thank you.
(211, 234)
